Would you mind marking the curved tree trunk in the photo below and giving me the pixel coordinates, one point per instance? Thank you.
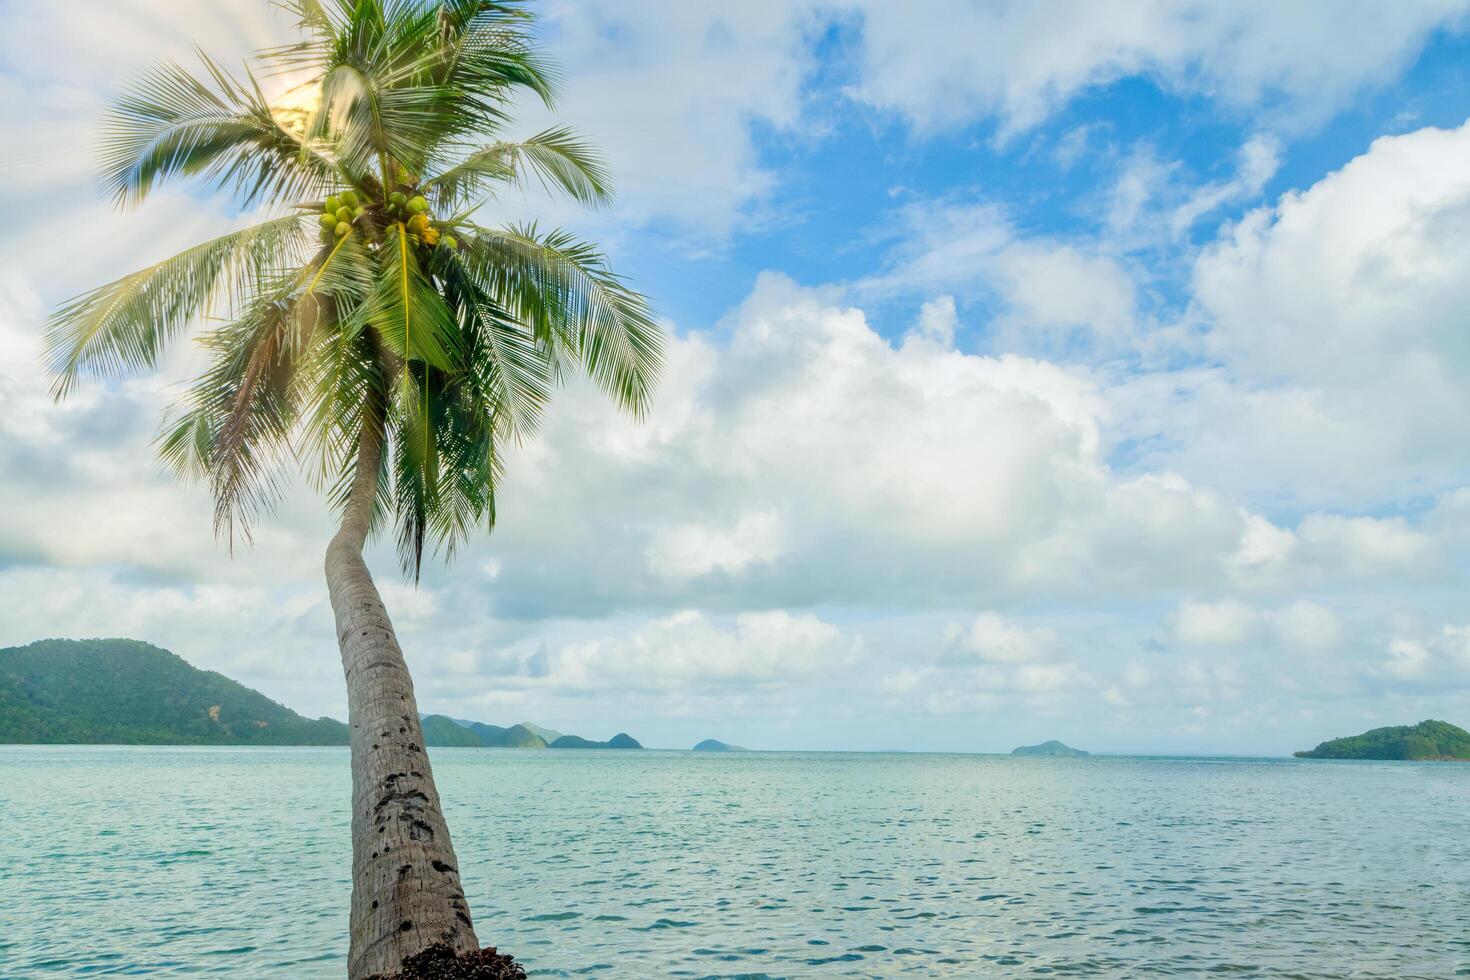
(406, 894)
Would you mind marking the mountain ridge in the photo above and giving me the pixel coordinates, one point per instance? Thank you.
(119, 691)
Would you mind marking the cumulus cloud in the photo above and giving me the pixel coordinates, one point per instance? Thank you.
(1214, 624)
(673, 92)
(693, 550)
(1302, 626)
(1407, 659)
(688, 650)
(909, 473)
(994, 639)
(973, 249)
(1307, 627)
(1338, 313)
(1022, 62)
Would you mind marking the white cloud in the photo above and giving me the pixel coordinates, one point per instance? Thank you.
(1456, 641)
(1154, 203)
(671, 92)
(1301, 626)
(1227, 623)
(906, 474)
(1407, 659)
(994, 639)
(1366, 544)
(1339, 312)
(1021, 62)
(973, 249)
(938, 321)
(1260, 156)
(1045, 678)
(687, 649)
(1307, 627)
(692, 550)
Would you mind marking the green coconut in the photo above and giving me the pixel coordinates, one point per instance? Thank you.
(333, 203)
(418, 205)
(328, 221)
(358, 212)
(342, 229)
(449, 241)
(397, 199)
(348, 199)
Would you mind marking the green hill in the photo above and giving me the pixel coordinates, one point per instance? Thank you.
(622, 740)
(1051, 748)
(514, 737)
(443, 730)
(1426, 740)
(127, 692)
(715, 745)
(439, 730)
(548, 735)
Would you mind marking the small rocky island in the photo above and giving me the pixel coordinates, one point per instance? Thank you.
(1051, 748)
(1428, 740)
(715, 745)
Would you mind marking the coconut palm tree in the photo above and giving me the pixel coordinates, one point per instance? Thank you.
(370, 332)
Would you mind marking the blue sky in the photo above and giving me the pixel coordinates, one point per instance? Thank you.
(1075, 370)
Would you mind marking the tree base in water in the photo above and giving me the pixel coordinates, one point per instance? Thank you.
(439, 962)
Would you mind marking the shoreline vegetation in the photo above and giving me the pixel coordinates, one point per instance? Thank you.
(1428, 741)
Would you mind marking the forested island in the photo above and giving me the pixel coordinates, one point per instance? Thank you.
(1428, 740)
(126, 692)
(1051, 748)
(131, 693)
(715, 745)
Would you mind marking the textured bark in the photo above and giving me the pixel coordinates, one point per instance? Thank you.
(406, 894)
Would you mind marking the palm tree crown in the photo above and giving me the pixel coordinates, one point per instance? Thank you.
(371, 305)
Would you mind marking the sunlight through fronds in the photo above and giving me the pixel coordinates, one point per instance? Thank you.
(370, 306)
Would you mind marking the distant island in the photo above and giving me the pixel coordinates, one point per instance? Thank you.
(1051, 748)
(1428, 740)
(622, 740)
(124, 692)
(714, 745)
(442, 730)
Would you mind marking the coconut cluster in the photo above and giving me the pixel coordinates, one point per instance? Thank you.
(342, 211)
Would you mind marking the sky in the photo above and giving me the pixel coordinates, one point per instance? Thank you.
(1078, 370)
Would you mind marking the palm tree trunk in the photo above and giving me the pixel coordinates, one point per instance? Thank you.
(406, 894)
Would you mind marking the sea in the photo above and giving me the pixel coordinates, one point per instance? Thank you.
(186, 862)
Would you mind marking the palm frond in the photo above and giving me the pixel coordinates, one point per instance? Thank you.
(236, 429)
(563, 290)
(557, 158)
(124, 325)
(407, 312)
(505, 366)
(220, 129)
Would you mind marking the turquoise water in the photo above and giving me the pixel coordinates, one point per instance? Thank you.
(192, 862)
